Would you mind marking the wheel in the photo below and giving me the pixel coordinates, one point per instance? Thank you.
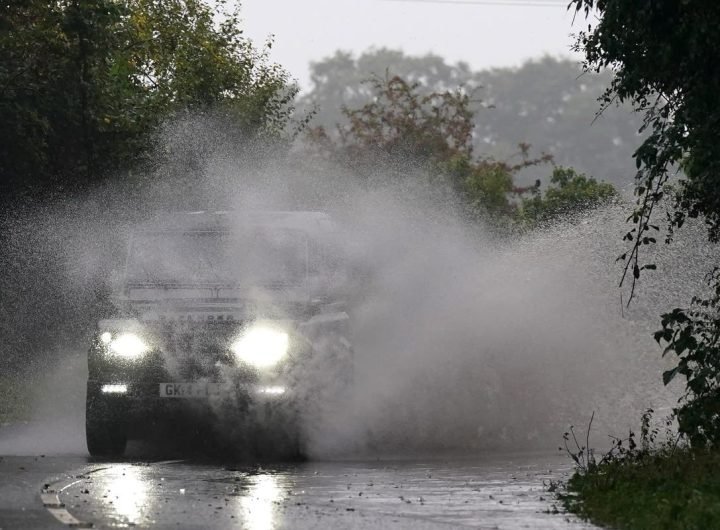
(105, 433)
(279, 436)
(292, 446)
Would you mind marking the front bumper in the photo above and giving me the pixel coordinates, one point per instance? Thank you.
(146, 407)
(189, 390)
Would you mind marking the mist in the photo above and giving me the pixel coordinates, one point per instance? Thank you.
(463, 340)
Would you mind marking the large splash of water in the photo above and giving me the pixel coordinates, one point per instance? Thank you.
(463, 341)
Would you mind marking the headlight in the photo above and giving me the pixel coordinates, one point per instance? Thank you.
(127, 345)
(261, 346)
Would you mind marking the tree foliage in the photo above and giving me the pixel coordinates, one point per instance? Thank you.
(693, 335)
(664, 56)
(569, 192)
(401, 125)
(548, 103)
(404, 132)
(86, 83)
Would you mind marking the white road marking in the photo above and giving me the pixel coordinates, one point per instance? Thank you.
(50, 497)
(51, 500)
(66, 518)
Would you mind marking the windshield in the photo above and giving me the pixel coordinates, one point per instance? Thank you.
(256, 257)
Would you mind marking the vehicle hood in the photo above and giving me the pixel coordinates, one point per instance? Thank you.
(197, 306)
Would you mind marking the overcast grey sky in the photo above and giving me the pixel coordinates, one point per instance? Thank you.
(483, 33)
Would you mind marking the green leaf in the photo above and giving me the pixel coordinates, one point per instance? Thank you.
(669, 375)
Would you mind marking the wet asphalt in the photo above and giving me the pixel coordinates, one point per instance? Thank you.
(486, 491)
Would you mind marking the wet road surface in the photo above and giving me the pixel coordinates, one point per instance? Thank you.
(493, 491)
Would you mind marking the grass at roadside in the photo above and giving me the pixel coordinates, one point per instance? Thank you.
(658, 490)
(15, 403)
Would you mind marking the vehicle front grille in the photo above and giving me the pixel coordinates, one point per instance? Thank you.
(197, 352)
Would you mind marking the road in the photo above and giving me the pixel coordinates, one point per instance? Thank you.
(487, 491)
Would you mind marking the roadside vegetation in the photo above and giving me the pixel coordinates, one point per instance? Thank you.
(663, 69)
(654, 480)
(88, 85)
(660, 489)
(405, 133)
(548, 103)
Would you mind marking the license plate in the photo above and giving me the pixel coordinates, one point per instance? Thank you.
(192, 390)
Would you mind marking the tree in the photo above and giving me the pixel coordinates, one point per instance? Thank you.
(664, 56)
(181, 59)
(403, 133)
(49, 55)
(87, 83)
(401, 124)
(548, 103)
(339, 81)
(569, 192)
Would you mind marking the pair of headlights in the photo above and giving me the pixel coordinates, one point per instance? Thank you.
(260, 346)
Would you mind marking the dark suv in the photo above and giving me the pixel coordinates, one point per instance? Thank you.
(225, 319)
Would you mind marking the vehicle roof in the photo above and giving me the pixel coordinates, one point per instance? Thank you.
(203, 221)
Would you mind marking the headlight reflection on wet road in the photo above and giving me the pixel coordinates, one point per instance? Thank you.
(258, 507)
(499, 492)
(128, 493)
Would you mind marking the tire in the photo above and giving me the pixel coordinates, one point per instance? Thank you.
(280, 437)
(105, 432)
